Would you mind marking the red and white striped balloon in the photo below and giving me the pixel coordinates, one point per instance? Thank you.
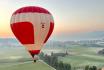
(32, 26)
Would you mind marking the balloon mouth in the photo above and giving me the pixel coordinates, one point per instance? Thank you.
(34, 52)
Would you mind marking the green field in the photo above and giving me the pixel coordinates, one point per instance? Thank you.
(17, 58)
(81, 56)
(27, 66)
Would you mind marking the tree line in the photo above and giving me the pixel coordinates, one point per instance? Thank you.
(53, 61)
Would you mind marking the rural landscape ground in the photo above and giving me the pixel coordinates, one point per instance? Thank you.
(15, 57)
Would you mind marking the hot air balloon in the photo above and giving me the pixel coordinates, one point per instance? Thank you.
(32, 26)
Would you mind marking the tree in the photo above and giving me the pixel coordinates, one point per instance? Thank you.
(54, 60)
(55, 65)
(47, 58)
(87, 67)
(67, 67)
(41, 55)
(52, 54)
(94, 67)
(90, 68)
(61, 65)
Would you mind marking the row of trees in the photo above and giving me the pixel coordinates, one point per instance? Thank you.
(91, 68)
(52, 60)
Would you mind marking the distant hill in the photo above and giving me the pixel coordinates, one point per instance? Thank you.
(13, 42)
(80, 36)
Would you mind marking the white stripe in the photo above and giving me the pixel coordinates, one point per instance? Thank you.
(25, 17)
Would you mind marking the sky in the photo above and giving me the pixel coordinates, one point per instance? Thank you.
(74, 19)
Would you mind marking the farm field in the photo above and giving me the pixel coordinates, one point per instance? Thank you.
(81, 56)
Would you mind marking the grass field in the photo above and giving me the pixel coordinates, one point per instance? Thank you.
(10, 57)
(82, 56)
(17, 58)
(27, 66)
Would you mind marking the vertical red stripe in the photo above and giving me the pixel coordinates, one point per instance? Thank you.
(24, 32)
(50, 31)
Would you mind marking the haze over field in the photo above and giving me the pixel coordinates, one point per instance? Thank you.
(86, 51)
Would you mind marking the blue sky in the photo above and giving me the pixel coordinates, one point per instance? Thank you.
(71, 16)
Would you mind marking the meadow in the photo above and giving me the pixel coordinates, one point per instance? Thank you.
(14, 57)
(80, 56)
(17, 58)
(26, 66)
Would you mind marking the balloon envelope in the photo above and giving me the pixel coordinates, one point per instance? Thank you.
(32, 26)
